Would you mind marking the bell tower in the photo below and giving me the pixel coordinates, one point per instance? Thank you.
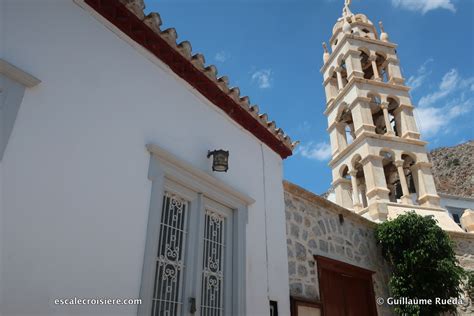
(380, 167)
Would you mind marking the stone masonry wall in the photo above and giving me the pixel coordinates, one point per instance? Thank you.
(464, 249)
(313, 228)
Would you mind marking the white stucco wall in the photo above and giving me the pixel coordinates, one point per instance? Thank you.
(449, 201)
(2, 34)
(457, 202)
(1, 228)
(76, 193)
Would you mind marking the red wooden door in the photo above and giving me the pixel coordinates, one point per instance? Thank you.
(345, 290)
(332, 290)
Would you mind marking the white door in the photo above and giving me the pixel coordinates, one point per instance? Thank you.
(194, 261)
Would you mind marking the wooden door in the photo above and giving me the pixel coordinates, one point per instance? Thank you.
(345, 290)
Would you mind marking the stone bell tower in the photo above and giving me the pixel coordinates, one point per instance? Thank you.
(380, 167)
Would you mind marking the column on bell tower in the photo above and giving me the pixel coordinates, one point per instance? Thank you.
(377, 192)
(362, 116)
(406, 121)
(427, 195)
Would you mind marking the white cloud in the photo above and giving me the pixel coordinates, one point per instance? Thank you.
(450, 83)
(433, 120)
(263, 78)
(304, 127)
(424, 6)
(447, 85)
(319, 151)
(422, 73)
(221, 56)
(437, 111)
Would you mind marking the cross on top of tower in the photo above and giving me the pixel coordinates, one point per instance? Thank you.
(346, 12)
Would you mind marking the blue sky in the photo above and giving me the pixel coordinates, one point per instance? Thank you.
(271, 49)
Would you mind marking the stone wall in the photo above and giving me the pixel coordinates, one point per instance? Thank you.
(313, 228)
(464, 249)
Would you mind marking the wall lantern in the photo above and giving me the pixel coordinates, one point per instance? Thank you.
(220, 160)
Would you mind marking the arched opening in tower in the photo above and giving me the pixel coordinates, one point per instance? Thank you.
(346, 119)
(394, 121)
(366, 65)
(411, 177)
(391, 176)
(377, 114)
(380, 61)
(345, 173)
(343, 69)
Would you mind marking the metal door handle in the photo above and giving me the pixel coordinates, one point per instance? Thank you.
(192, 305)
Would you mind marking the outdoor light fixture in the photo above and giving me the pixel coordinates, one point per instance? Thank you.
(220, 160)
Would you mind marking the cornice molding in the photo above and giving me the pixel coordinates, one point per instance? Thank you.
(170, 159)
(18, 75)
(367, 135)
(347, 37)
(343, 92)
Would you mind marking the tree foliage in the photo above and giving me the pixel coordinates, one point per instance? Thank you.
(423, 262)
(469, 284)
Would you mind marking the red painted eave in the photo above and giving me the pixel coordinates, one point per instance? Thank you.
(117, 14)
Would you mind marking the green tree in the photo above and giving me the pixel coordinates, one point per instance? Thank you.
(423, 263)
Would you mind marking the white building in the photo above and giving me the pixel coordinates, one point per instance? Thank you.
(106, 187)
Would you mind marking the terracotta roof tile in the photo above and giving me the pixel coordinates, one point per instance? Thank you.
(275, 138)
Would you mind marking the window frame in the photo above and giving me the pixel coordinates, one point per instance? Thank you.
(296, 302)
(165, 170)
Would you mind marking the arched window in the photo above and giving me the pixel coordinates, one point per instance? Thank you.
(381, 66)
(345, 118)
(366, 33)
(343, 68)
(366, 64)
(391, 176)
(377, 114)
(345, 173)
(412, 180)
(392, 106)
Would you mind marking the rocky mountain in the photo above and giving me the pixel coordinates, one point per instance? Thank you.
(453, 169)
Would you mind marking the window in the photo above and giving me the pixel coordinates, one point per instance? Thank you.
(302, 307)
(167, 292)
(216, 262)
(456, 218)
(273, 308)
(195, 248)
(456, 213)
